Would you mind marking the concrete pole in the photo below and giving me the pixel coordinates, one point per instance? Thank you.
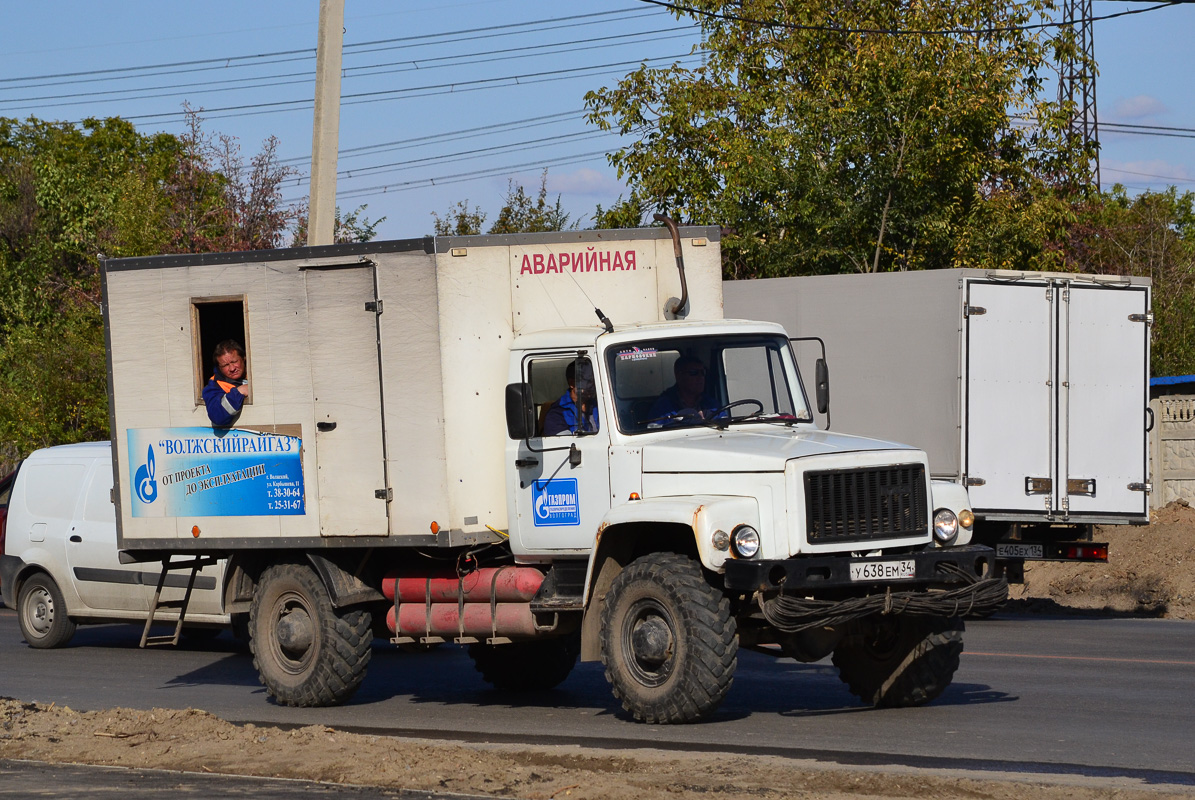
(325, 140)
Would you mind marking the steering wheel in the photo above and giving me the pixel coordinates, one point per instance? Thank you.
(758, 407)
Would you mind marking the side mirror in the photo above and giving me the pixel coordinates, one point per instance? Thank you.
(823, 386)
(520, 411)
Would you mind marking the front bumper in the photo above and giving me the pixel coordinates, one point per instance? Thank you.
(937, 568)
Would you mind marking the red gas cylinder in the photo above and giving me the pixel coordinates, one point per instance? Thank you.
(510, 619)
(511, 584)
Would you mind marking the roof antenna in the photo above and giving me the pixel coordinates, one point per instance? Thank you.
(605, 320)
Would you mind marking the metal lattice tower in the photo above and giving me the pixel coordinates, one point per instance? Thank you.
(1077, 84)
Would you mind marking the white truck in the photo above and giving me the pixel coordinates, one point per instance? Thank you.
(1029, 388)
(389, 474)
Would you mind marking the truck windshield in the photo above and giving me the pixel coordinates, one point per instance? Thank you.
(705, 380)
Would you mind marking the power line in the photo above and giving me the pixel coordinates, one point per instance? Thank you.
(278, 56)
(903, 32)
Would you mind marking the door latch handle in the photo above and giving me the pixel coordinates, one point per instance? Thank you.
(526, 462)
(76, 538)
(325, 426)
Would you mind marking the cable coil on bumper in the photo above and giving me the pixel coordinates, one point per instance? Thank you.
(795, 614)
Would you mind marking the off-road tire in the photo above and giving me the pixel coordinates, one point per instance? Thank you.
(306, 652)
(42, 613)
(534, 666)
(900, 660)
(669, 643)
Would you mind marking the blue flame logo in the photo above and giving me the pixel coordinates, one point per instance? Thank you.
(143, 481)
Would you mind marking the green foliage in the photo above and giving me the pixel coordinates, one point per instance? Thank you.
(349, 228)
(1151, 235)
(459, 220)
(629, 213)
(828, 152)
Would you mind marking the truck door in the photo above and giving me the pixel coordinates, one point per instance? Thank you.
(342, 309)
(1104, 371)
(561, 482)
(1010, 425)
(1057, 390)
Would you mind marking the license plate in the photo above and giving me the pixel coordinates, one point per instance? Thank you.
(1014, 550)
(883, 570)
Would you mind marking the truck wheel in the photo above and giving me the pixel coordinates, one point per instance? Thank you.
(901, 660)
(669, 643)
(42, 613)
(526, 666)
(306, 652)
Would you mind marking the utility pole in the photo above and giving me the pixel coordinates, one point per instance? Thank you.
(325, 139)
(1076, 84)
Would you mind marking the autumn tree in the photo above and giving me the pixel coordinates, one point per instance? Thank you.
(851, 135)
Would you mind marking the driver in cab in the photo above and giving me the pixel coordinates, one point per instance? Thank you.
(687, 396)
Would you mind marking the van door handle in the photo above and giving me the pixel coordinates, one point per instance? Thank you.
(76, 538)
(526, 462)
(325, 426)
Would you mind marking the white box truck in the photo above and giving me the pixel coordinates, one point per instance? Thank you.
(1029, 388)
(389, 472)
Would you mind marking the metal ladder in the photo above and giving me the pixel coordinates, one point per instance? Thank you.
(194, 563)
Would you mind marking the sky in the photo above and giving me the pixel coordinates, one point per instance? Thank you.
(451, 101)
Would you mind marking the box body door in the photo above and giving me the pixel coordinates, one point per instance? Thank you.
(1056, 382)
(347, 393)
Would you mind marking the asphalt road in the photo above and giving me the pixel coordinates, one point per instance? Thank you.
(1077, 696)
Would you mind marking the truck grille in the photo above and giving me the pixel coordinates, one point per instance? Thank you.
(871, 503)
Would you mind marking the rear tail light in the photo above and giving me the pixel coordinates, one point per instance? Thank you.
(1086, 552)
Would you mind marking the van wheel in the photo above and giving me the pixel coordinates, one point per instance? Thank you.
(900, 661)
(669, 643)
(41, 612)
(306, 652)
(526, 666)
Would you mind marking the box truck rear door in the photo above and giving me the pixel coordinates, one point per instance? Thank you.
(349, 455)
(1104, 385)
(1009, 418)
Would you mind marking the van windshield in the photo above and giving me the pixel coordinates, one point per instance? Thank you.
(705, 380)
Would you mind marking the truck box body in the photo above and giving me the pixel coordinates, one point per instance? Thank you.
(374, 368)
(1031, 389)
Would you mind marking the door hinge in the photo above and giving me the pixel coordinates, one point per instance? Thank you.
(1084, 486)
(374, 306)
(384, 494)
(1141, 487)
(973, 311)
(1148, 319)
(976, 482)
(1038, 485)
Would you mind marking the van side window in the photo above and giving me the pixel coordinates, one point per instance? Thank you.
(563, 392)
(52, 490)
(98, 506)
(214, 319)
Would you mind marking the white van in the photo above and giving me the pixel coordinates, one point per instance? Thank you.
(60, 565)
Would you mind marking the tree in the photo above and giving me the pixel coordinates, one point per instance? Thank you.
(827, 142)
(1151, 235)
(519, 214)
(348, 228)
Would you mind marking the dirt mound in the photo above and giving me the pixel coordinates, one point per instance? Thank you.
(1148, 572)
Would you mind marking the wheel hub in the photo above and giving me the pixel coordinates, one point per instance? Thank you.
(651, 640)
(42, 613)
(294, 633)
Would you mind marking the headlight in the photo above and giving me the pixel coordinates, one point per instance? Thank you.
(945, 525)
(745, 541)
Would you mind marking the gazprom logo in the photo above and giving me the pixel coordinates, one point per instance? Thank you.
(555, 502)
(143, 481)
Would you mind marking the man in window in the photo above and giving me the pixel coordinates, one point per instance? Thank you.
(227, 389)
(575, 411)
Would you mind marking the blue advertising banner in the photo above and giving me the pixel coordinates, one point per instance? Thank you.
(203, 472)
(555, 502)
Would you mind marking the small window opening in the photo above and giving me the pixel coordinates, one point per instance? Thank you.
(214, 319)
